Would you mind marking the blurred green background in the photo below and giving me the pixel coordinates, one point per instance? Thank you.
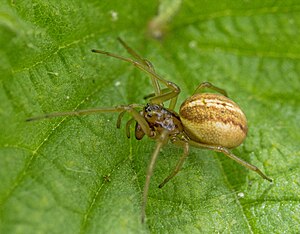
(82, 175)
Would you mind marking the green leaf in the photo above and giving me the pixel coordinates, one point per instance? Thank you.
(82, 175)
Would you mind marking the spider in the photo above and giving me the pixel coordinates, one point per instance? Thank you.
(209, 121)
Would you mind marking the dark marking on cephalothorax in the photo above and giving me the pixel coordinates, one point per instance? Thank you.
(160, 118)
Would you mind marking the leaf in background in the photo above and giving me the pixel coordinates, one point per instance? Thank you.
(82, 175)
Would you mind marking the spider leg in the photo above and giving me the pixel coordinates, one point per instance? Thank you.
(229, 154)
(163, 91)
(180, 162)
(153, 94)
(121, 115)
(129, 122)
(159, 98)
(210, 86)
(145, 62)
(161, 141)
(122, 109)
(77, 113)
(135, 54)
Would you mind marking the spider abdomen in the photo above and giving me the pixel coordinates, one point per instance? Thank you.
(213, 119)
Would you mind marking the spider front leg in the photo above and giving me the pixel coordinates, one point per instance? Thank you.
(145, 62)
(122, 109)
(160, 95)
(180, 162)
(161, 141)
(147, 67)
(229, 154)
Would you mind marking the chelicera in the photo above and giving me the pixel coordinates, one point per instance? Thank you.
(206, 120)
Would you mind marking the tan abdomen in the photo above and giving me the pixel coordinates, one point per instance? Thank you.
(213, 119)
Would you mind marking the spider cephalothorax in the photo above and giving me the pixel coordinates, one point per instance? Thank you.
(159, 119)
